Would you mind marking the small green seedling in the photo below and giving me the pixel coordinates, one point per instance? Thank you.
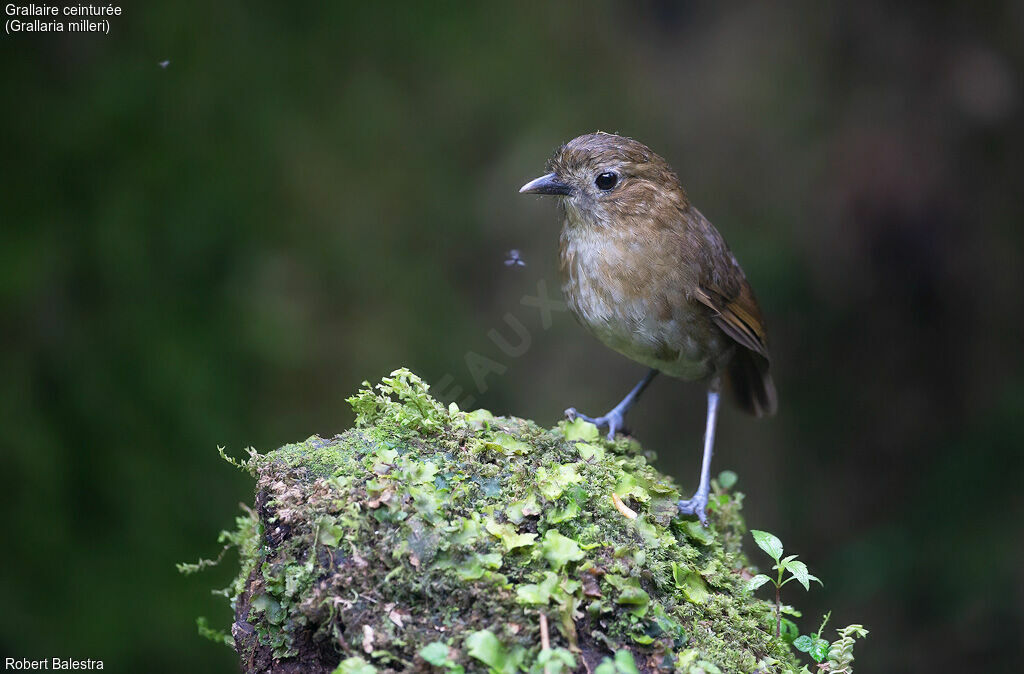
(554, 661)
(354, 665)
(813, 644)
(438, 654)
(797, 571)
(622, 664)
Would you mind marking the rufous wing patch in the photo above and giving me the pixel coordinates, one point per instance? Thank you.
(738, 317)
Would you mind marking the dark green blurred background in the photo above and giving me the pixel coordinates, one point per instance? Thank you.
(219, 252)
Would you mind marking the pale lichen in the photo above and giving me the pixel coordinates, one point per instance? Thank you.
(430, 538)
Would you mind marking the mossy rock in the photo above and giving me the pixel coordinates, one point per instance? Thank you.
(432, 539)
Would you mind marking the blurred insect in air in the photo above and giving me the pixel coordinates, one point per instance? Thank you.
(164, 64)
(513, 259)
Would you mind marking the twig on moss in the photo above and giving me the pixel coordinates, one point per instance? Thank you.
(545, 639)
(626, 511)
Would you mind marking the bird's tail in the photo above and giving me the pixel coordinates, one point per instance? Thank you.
(750, 384)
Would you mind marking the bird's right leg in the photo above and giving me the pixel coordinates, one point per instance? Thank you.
(615, 419)
(698, 503)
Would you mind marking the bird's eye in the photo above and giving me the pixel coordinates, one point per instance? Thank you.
(606, 181)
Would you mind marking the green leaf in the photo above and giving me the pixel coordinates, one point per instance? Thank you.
(271, 608)
(698, 532)
(768, 542)
(419, 472)
(509, 536)
(471, 569)
(691, 583)
(354, 665)
(426, 501)
(789, 630)
(474, 567)
(630, 594)
(578, 429)
(799, 571)
(726, 479)
(554, 661)
(661, 489)
(532, 594)
(559, 550)
(590, 452)
(436, 653)
(624, 662)
(757, 581)
(517, 511)
(539, 593)
(479, 419)
(559, 515)
(633, 485)
(819, 651)
(554, 480)
(386, 454)
(855, 630)
(466, 530)
(813, 645)
(330, 532)
(649, 532)
(486, 648)
(507, 444)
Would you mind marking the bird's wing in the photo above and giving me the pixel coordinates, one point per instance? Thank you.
(747, 377)
(737, 315)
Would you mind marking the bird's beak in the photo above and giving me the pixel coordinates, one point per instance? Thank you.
(546, 184)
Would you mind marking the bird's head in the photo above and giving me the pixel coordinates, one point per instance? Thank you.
(604, 180)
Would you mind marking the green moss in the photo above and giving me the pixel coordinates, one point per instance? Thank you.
(432, 527)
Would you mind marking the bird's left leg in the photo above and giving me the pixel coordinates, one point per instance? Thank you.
(696, 504)
(616, 418)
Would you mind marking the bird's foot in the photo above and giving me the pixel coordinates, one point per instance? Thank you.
(614, 421)
(695, 506)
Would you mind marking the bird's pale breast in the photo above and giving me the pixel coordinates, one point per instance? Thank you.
(630, 292)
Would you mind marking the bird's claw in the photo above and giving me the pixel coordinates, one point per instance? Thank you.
(614, 421)
(695, 506)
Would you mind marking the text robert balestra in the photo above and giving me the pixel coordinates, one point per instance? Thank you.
(51, 664)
